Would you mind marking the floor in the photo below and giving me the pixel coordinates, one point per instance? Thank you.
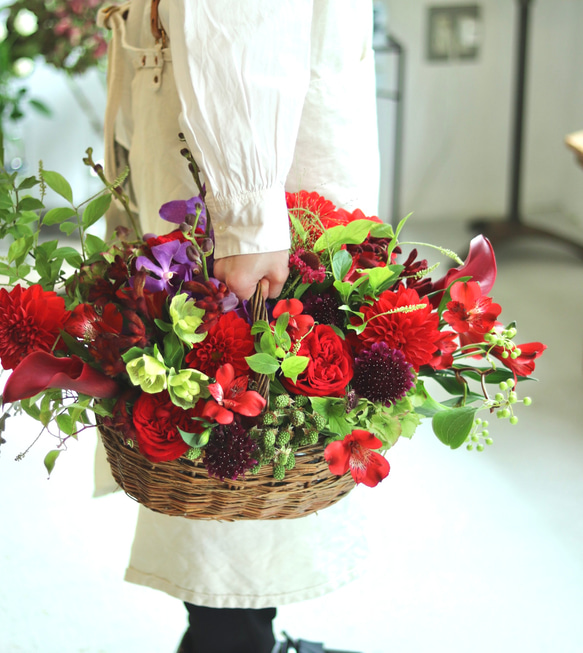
(479, 552)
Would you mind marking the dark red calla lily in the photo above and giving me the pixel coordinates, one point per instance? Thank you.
(480, 265)
(41, 370)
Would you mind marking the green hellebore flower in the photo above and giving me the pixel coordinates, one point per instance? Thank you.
(186, 387)
(186, 318)
(148, 372)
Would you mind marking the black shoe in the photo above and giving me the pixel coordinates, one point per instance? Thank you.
(302, 646)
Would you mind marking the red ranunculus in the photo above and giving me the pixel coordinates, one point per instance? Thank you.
(156, 420)
(415, 332)
(355, 453)
(30, 320)
(330, 368)
(228, 341)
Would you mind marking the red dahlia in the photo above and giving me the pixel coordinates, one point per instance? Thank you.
(414, 332)
(30, 320)
(229, 341)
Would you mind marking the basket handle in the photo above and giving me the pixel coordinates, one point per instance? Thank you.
(259, 312)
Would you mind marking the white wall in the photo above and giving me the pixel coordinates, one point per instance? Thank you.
(458, 115)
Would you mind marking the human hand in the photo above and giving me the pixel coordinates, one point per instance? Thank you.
(242, 273)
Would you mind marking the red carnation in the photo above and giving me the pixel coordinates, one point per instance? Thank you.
(229, 341)
(414, 332)
(157, 420)
(30, 320)
(330, 368)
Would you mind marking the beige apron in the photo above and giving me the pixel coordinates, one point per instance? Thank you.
(247, 564)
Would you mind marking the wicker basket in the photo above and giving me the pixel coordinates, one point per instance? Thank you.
(183, 487)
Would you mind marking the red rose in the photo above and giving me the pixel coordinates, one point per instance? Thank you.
(30, 320)
(413, 332)
(330, 368)
(228, 341)
(156, 420)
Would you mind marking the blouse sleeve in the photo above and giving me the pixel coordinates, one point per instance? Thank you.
(242, 71)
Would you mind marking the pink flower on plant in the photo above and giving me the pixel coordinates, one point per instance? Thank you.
(355, 453)
(230, 395)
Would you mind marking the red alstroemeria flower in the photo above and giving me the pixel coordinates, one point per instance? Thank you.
(30, 320)
(230, 395)
(524, 364)
(442, 359)
(355, 453)
(40, 371)
(469, 310)
(298, 325)
(86, 323)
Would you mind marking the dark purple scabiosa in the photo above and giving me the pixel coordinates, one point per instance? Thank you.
(323, 308)
(382, 374)
(230, 452)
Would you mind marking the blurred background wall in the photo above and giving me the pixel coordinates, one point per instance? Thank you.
(458, 112)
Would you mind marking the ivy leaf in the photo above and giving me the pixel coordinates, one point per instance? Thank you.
(51, 459)
(59, 184)
(453, 425)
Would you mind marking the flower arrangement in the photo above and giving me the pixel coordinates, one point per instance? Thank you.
(139, 332)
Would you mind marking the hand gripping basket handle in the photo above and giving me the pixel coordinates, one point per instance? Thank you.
(259, 312)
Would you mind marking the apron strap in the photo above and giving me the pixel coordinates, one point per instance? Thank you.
(157, 30)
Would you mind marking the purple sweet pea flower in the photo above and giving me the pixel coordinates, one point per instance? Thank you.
(177, 210)
(173, 267)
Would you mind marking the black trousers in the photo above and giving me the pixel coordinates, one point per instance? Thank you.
(228, 630)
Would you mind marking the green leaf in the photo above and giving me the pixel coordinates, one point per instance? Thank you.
(173, 350)
(65, 423)
(263, 363)
(341, 264)
(94, 245)
(69, 254)
(267, 343)
(41, 107)
(130, 354)
(58, 215)
(353, 233)
(59, 184)
(453, 425)
(19, 248)
(259, 327)
(27, 183)
(293, 366)
(95, 209)
(68, 227)
(30, 204)
(51, 459)
(196, 440)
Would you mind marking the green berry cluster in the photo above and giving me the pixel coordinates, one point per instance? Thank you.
(284, 428)
(503, 406)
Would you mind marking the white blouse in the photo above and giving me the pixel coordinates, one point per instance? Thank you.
(257, 79)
